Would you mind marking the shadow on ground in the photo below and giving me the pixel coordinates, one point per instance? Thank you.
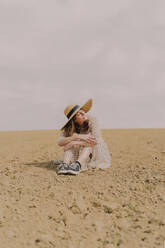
(49, 165)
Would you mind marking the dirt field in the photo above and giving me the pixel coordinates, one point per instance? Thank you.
(123, 206)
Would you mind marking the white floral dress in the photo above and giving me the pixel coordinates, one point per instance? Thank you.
(100, 153)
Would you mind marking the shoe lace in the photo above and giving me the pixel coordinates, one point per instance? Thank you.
(63, 165)
(75, 165)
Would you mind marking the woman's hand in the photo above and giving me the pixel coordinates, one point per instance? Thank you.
(88, 138)
(68, 146)
(72, 144)
(84, 137)
(75, 136)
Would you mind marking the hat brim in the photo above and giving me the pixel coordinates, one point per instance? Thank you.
(86, 107)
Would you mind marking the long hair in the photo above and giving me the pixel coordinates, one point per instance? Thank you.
(73, 127)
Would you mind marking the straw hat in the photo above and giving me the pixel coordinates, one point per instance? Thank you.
(73, 108)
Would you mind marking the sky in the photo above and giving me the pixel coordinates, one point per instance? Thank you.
(58, 52)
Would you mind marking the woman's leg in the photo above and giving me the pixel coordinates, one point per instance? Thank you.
(64, 166)
(84, 155)
(68, 156)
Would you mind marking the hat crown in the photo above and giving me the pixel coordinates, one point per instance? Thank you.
(69, 108)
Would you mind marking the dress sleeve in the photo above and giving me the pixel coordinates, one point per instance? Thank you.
(95, 128)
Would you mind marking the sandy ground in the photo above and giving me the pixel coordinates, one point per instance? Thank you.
(123, 206)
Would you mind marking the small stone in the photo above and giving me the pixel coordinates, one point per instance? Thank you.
(75, 209)
(108, 210)
(147, 231)
(37, 241)
(96, 204)
(110, 207)
(51, 195)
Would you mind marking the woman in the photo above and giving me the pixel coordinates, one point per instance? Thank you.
(83, 144)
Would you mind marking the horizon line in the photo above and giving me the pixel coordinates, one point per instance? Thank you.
(28, 130)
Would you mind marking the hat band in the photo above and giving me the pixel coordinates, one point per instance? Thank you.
(72, 110)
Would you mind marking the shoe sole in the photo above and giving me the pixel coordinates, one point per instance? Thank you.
(62, 172)
(70, 172)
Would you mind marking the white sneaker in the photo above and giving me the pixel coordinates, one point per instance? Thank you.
(63, 169)
(74, 168)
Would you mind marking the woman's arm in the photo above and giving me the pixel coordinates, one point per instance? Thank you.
(87, 138)
(78, 143)
(62, 141)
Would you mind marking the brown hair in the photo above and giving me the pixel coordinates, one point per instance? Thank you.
(73, 127)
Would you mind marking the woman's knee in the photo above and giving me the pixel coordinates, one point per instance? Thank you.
(68, 156)
(69, 153)
(86, 150)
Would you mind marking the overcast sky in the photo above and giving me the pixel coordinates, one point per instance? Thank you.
(57, 52)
